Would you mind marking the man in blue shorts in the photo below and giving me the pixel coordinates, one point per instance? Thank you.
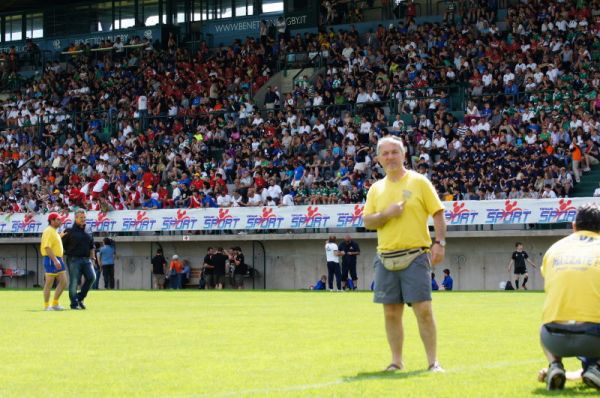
(52, 251)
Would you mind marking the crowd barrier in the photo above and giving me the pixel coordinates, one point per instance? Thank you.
(493, 212)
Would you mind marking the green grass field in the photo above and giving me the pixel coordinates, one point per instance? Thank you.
(266, 344)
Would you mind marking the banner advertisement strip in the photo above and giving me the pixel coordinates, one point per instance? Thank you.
(492, 212)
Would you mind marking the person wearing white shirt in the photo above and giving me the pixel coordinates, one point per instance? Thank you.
(483, 125)
(319, 126)
(552, 73)
(224, 200)
(236, 200)
(288, 199)
(372, 96)
(347, 52)
(362, 97)
(439, 142)
(398, 124)
(254, 199)
(273, 190)
(487, 78)
(530, 138)
(508, 76)
(318, 100)
(548, 192)
(333, 263)
(365, 126)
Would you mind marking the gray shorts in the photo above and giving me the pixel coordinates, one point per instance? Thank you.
(411, 285)
(572, 340)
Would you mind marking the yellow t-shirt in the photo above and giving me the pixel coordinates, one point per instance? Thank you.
(410, 230)
(571, 270)
(51, 239)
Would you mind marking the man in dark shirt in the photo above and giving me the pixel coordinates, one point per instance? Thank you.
(220, 263)
(209, 269)
(241, 269)
(518, 259)
(349, 249)
(159, 269)
(79, 249)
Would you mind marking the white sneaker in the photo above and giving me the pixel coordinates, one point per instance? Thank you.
(49, 309)
(436, 368)
(57, 308)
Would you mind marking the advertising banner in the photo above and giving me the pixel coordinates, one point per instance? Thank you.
(493, 212)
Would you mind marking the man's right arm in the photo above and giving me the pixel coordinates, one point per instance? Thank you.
(378, 220)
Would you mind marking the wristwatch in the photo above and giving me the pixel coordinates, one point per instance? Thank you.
(441, 242)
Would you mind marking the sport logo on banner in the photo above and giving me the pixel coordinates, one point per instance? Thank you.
(351, 220)
(141, 222)
(181, 221)
(511, 214)
(65, 220)
(28, 225)
(565, 212)
(266, 220)
(312, 219)
(460, 214)
(224, 220)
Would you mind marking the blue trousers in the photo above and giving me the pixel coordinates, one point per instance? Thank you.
(80, 266)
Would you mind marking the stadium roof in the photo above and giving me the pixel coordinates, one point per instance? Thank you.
(8, 6)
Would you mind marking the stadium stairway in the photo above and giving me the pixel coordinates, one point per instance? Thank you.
(589, 182)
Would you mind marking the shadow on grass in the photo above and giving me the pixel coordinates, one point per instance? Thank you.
(578, 389)
(382, 375)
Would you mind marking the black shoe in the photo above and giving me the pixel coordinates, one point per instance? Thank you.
(81, 305)
(74, 307)
(555, 379)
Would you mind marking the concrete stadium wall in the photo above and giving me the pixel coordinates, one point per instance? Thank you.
(477, 259)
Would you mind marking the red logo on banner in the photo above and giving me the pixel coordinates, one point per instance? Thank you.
(358, 211)
(64, 219)
(565, 205)
(28, 219)
(181, 215)
(457, 210)
(101, 218)
(312, 212)
(267, 212)
(224, 215)
(510, 207)
(141, 217)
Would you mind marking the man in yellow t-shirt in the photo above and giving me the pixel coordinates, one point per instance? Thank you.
(52, 252)
(398, 207)
(571, 315)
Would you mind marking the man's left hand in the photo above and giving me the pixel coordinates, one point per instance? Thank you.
(437, 253)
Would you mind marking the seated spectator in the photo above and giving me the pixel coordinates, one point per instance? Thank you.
(321, 284)
(448, 282)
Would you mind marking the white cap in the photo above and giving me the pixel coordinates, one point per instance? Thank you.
(175, 256)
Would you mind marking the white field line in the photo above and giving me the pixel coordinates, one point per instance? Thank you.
(304, 387)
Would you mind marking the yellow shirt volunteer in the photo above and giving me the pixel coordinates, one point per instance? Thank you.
(51, 239)
(410, 230)
(571, 270)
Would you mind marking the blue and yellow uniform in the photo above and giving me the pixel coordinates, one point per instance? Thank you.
(51, 239)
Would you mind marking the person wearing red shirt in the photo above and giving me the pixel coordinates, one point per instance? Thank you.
(259, 182)
(195, 201)
(176, 272)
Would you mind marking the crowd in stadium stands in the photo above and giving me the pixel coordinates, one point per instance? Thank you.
(149, 128)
